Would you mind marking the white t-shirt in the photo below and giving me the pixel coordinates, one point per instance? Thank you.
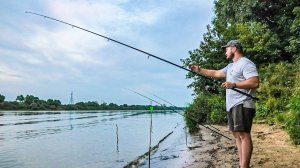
(239, 71)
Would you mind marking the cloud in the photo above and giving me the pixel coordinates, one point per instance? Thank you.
(8, 74)
(62, 45)
(107, 14)
(51, 59)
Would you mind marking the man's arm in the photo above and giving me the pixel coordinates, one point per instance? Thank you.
(251, 83)
(208, 72)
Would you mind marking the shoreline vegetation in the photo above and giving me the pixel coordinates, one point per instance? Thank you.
(269, 32)
(32, 103)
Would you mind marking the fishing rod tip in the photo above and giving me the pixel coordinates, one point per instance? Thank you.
(29, 12)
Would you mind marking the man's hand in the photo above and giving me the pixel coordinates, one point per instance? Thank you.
(207, 72)
(195, 68)
(228, 85)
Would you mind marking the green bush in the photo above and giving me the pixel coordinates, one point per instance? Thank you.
(292, 119)
(293, 125)
(206, 108)
(191, 124)
(275, 91)
(280, 97)
(217, 109)
(261, 111)
(217, 116)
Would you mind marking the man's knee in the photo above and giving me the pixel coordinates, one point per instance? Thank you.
(245, 135)
(241, 135)
(236, 135)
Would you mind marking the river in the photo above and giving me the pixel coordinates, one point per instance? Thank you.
(81, 139)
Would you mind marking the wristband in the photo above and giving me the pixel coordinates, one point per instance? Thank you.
(234, 85)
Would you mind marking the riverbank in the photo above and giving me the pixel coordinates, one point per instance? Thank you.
(204, 149)
(272, 149)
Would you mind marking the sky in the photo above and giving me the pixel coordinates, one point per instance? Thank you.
(50, 60)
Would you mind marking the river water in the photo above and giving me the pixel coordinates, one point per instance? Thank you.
(80, 139)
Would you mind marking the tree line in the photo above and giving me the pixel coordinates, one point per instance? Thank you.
(30, 102)
(270, 33)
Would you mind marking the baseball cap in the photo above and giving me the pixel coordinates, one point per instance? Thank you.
(233, 43)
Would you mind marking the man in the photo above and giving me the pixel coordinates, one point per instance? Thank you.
(242, 75)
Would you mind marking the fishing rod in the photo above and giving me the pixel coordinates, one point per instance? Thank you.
(175, 106)
(134, 48)
(179, 113)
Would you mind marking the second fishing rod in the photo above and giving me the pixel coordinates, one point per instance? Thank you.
(175, 106)
(134, 48)
(189, 117)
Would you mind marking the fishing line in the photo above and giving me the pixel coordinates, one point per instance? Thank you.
(149, 55)
(189, 117)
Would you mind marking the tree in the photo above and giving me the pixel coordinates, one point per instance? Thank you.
(20, 98)
(2, 98)
(29, 99)
(269, 31)
(57, 102)
(53, 103)
(277, 16)
(294, 41)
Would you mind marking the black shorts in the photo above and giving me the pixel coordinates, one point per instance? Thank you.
(240, 118)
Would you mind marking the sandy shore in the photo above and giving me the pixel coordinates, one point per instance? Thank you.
(204, 149)
(272, 149)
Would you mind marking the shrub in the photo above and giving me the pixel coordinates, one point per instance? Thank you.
(275, 91)
(290, 119)
(205, 109)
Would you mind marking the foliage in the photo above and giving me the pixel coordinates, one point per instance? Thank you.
(275, 89)
(20, 98)
(270, 34)
(280, 17)
(2, 98)
(30, 102)
(205, 109)
(191, 124)
(279, 96)
(291, 118)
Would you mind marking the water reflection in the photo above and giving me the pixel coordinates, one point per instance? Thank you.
(78, 139)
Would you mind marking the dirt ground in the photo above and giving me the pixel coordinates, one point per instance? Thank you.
(204, 149)
(272, 149)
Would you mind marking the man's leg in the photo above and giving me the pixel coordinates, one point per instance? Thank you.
(238, 145)
(240, 124)
(246, 149)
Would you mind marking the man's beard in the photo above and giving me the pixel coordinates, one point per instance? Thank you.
(230, 57)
